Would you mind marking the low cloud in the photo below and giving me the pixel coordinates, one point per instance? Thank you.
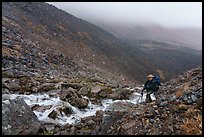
(169, 14)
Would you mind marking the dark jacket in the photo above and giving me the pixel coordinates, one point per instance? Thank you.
(151, 85)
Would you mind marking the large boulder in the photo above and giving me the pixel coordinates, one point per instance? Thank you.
(70, 96)
(113, 115)
(18, 118)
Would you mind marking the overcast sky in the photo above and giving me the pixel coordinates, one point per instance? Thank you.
(169, 14)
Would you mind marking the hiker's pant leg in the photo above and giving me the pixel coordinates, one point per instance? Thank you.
(148, 98)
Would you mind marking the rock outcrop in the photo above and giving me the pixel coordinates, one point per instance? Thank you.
(18, 118)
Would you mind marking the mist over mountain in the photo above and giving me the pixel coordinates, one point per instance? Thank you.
(179, 23)
(62, 75)
(188, 37)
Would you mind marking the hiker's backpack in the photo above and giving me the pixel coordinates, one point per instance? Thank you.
(157, 80)
(157, 83)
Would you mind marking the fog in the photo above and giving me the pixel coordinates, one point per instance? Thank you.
(168, 14)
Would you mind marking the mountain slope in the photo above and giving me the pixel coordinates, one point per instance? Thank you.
(177, 110)
(89, 46)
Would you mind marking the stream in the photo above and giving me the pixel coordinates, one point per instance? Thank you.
(53, 103)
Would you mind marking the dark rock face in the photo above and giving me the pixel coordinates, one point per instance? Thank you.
(18, 118)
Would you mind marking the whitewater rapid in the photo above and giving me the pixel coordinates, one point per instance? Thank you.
(54, 103)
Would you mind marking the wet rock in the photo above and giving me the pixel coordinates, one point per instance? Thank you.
(66, 110)
(53, 114)
(18, 118)
(99, 115)
(67, 93)
(79, 102)
(70, 96)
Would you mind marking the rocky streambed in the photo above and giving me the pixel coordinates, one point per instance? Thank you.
(49, 108)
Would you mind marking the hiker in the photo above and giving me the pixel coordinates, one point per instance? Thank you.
(151, 86)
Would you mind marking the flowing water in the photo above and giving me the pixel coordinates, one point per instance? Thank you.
(53, 103)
